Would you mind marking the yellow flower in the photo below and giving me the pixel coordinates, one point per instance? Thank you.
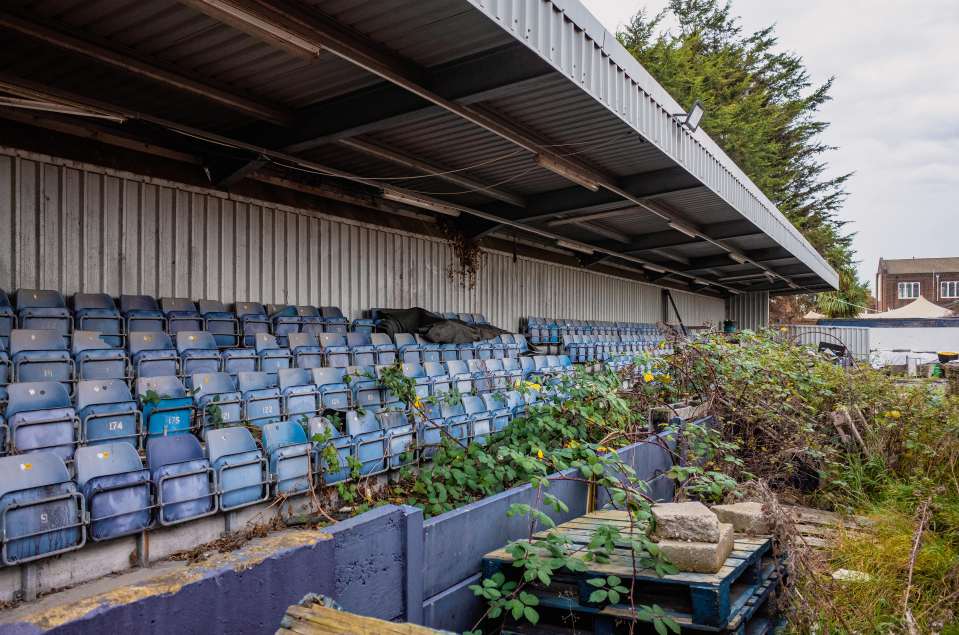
(648, 377)
(572, 444)
(665, 379)
(602, 448)
(534, 386)
(783, 329)
(418, 404)
(517, 384)
(894, 414)
(539, 454)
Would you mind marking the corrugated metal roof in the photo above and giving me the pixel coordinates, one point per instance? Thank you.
(591, 102)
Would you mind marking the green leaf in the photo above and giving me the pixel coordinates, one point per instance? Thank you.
(613, 580)
(598, 596)
(613, 597)
(659, 626)
(528, 599)
(596, 582)
(531, 614)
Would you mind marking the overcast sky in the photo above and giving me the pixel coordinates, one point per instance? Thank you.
(894, 114)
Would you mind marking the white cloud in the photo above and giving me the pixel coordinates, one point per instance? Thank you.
(893, 113)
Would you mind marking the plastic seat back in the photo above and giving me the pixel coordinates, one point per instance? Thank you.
(117, 489)
(289, 455)
(240, 467)
(40, 417)
(41, 510)
(107, 412)
(183, 478)
(166, 407)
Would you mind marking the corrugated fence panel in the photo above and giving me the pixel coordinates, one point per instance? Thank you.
(75, 227)
(855, 338)
(749, 310)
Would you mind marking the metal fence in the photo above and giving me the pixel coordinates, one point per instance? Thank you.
(855, 338)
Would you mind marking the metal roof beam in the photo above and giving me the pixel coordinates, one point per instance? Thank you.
(723, 260)
(724, 230)
(399, 158)
(133, 63)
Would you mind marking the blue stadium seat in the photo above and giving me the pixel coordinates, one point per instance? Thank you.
(497, 374)
(4, 365)
(484, 350)
(422, 385)
(198, 353)
(216, 400)
(43, 309)
(366, 390)
(333, 320)
(400, 434)
(521, 342)
(438, 375)
(107, 412)
(363, 325)
(95, 358)
(253, 320)
(306, 350)
(528, 366)
(450, 315)
(97, 312)
(272, 356)
(301, 397)
(141, 313)
(262, 402)
(362, 351)
(460, 376)
(465, 317)
(481, 420)
(516, 404)
(165, 406)
(510, 346)
(116, 488)
(385, 349)
(429, 351)
(8, 319)
(242, 473)
(466, 351)
(289, 453)
(285, 319)
(41, 512)
(40, 417)
(455, 419)
(335, 394)
(185, 481)
(498, 406)
(181, 315)
(340, 446)
(407, 348)
(335, 350)
(482, 380)
(310, 319)
(221, 322)
(513, 370)
(479, 318)
(239, 360)
(40, 355)
(152, 354)
(449, 352)
(369, 441)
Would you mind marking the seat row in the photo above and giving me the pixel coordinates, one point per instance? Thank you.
(43, 511)
(235, 326)
(551, 331)
(44, 355)
(600, 348)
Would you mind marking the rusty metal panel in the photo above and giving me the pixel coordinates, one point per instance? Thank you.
(76, 227)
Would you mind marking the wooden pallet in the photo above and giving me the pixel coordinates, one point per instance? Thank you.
(704, 600)
(314, 616)
(753, 614)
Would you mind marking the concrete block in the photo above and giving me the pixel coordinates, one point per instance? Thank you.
(691, 522)
(700, 557)
(94, 561)
(746, 518)
(169, 540)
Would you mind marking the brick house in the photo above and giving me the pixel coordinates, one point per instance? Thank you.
(899, 282)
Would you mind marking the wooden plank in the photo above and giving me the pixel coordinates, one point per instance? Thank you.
(318, 619)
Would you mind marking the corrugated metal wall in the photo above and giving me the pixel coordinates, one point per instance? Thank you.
(749, 310)
(76, 227)
(855, 338)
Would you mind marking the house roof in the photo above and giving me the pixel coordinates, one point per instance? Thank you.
(919, 265)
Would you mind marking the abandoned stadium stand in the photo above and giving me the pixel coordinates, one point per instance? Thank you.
(188, 389)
